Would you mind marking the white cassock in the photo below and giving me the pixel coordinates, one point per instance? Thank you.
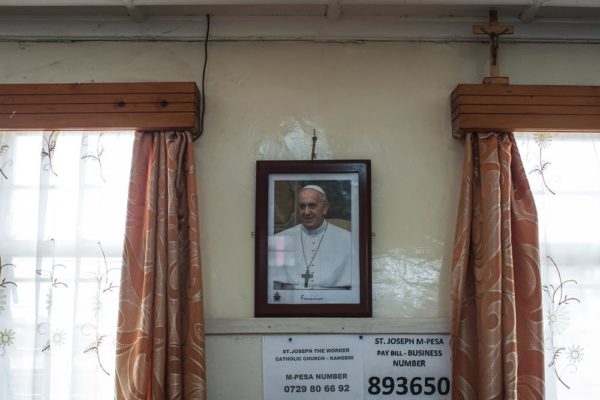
(325, 250)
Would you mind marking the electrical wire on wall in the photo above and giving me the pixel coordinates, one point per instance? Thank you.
(202, 92)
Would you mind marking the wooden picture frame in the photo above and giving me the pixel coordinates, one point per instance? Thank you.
(313, 239)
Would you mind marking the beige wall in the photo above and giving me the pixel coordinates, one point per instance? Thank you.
(388, 102)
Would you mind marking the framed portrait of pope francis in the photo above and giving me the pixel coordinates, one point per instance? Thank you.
(313, 241)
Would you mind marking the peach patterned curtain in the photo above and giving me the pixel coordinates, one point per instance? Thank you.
(160, 337)
(496, 328)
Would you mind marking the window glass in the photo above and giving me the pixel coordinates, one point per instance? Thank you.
(63, 197)
(564, 174)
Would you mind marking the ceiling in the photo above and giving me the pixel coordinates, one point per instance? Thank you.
(342, 20)
(580, 9)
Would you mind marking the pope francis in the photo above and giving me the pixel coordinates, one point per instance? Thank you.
(314, 254)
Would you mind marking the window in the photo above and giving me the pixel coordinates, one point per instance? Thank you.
(564, 175)
(63, 197)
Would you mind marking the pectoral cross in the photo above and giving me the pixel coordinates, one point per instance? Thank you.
(307, 275)
(494, 31)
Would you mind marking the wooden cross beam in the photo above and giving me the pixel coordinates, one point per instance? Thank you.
(494, 31)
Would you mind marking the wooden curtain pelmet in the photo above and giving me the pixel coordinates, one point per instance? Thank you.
(92, 106)
(525, 108)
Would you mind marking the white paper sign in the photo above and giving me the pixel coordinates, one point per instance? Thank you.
(356, 367)
(309, 367)
(407, 367)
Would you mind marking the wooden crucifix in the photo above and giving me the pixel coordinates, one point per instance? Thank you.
(494, 31)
